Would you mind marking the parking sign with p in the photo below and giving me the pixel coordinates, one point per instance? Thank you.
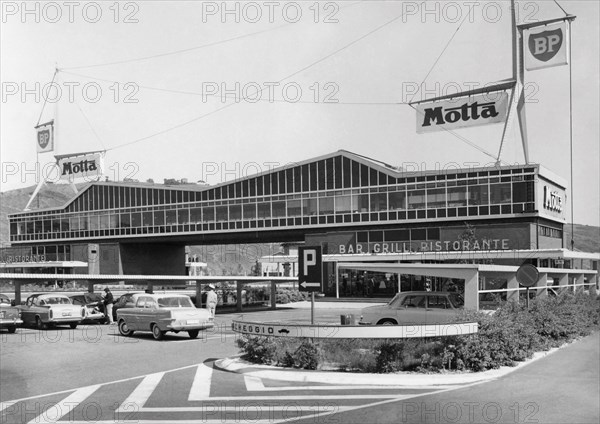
(310, 268)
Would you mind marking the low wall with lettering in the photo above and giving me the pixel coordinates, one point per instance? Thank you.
(353, 331)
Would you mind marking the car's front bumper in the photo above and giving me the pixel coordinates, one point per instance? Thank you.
(10, 322)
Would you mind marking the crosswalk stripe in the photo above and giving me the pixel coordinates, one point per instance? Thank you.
(54, 413)
(142, 392)
(201, 386)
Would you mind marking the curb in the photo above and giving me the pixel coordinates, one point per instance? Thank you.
(402, 379)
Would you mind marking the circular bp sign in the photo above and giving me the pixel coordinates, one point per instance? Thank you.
(527, 275)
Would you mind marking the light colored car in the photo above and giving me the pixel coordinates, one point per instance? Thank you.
(416, 307)
(44, 309)
(93, 304)
(10, 316)
(160, 313)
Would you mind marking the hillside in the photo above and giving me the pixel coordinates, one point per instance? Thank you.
(220, 258)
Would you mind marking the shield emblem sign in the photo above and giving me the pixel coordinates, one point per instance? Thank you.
(545, 45)
(43, 138)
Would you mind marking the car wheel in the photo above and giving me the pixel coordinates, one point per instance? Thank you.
(124, 329)
(11, 329)
(387, 322)
(157, 333)
(73, 326)
(193, 333)
(39, 324)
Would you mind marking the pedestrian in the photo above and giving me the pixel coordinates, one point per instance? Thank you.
(211, 300)
(108, 305)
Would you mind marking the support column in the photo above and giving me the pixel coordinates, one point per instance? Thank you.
(513, 295)
(17, 292)
(541, 285)
(150, 287)
(90, 286)
(563, 282)
(337, 281)
(399, 279)
(593, 280)
(578, 279)
(238, 288)
(472, 290)
(198, 294)
(273, 295)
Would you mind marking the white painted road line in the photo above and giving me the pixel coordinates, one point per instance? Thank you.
(57, 411)
(142, 392)
(255, 384)
(201, 386)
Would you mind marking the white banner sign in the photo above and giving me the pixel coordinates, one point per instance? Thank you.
(45, 137)
(74, 168)
(462, 112)
(546, 46)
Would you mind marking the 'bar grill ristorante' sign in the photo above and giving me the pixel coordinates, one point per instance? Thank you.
(462, 112)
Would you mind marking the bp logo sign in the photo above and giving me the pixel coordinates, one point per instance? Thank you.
(43, 138)
(545, 45)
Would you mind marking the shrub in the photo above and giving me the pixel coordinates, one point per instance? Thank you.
(258, 350)
(389, 357)
(306, 356)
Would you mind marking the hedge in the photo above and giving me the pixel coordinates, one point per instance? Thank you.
(510, 335)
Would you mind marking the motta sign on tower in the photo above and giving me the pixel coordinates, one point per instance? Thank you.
(74, 168)
(462, 112)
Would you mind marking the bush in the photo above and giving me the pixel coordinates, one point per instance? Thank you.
(306, 356)
(389, 357)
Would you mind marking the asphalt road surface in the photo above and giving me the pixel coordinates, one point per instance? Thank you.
(92, 374)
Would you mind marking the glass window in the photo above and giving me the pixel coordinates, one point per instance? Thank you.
(249, 211)
(438, 302)
(478, 195)
(521, 191)
(436, 198)
(361, 203)
(196, 215)
(457, 196)
(94, 223)
(378, 202)
(414, 301)
(183, 216)
(84, 222)
(147, 219)
(278, 209)
(500, 193)
(326, 205)
(74, 223)
(222, 213)
(159, 218)
(136, 219)
(264, 210)
(171, 217)
(235, 212)
(208, 213)
(416, 199)
(294, 208)
(397, 200)
(309, 207)
(104, 222)
(343, 204)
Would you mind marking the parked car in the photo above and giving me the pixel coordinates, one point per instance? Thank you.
(93, 303)
(10, 316)
(416, 307)
(160, 313)
(47, 309)
(124, 301)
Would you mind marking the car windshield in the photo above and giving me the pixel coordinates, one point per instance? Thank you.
(4, 300)
(175, 302)
(93, 297)
(56, 300)
(457, 300)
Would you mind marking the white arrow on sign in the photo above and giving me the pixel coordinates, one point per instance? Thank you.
(305, 284)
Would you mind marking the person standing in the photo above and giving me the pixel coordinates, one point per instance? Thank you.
(211, 300)
(108, 305)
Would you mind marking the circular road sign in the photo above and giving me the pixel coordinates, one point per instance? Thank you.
(527, 275)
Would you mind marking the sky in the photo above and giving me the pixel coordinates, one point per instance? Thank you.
(215, 91)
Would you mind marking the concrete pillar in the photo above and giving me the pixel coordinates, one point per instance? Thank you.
(593, 280)
(512, 283)
(563, 282)
(337, 280)
(399, 277)
(90, 286)
(238, 288)
(198, 294)
(578, 280)
(273, 295)
(17, 292)
(150, 287)
(542, 284)
(472, 290)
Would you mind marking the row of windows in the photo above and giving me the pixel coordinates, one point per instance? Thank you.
(550, 232)
(117, 225)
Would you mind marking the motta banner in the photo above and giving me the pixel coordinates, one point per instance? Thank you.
(88, 167)
(462, 112)
(45, 137)
(546, 47)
